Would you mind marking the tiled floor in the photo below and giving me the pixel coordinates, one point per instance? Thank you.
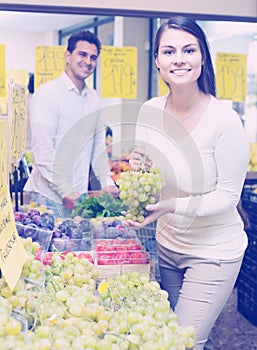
(233, 331)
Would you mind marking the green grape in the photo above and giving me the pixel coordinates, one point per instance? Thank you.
(139, 188)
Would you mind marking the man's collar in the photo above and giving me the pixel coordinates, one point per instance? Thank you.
(71, 86)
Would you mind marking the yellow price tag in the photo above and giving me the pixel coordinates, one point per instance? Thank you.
(2, 72)
(231, 76)
(50, 63)
(119, 72)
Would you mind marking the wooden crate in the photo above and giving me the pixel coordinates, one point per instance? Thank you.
(114, 270)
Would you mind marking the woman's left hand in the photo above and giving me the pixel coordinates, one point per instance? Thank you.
(155, 212)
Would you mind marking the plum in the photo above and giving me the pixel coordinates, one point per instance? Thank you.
(18, 216)
(111, 232)
(31, 212)
(31, 230)
(116, 222)
(57, 233)
(47, 221)
(74, 232)
(106, 224)
(85, 225)
(26, 220)
(36, 219)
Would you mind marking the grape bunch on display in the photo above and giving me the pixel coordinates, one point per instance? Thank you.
(139, 188)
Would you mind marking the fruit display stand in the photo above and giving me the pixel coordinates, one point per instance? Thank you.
(76, 310)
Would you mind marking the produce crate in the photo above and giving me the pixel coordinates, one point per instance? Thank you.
(72, 244)
(114, 270)
(37, 234)
(146, 236)
(113, 256)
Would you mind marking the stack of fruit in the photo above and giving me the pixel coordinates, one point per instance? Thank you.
(72, 235)
(72, 312)
(36, 225)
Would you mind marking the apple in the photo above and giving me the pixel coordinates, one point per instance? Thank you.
(120, 257)
(138, 258)
(85, 255)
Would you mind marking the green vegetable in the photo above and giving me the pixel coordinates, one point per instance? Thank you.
(104, 205)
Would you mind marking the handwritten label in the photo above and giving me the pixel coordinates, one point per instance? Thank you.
(2, 72)
(15, 122)
(12, 253)
(50, 63)
(119, 72)
(17, 117)
(22, 111)
(17, 76)
(231, 76)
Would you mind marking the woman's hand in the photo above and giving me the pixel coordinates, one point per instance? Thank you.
(139, 159)
(155, 212)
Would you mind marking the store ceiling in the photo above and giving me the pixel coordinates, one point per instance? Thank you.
(42, 22)
(39, 22)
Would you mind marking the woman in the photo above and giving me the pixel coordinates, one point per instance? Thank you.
(201, 144)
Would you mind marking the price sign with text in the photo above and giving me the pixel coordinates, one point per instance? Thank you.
(2, 72)
(50, 63)
(231, 76)
(15, 122)
(12, 253)
(119, 72)
(22, 111)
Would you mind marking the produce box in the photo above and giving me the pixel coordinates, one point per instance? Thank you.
(37, 234)
(111, 228)
(72, 244)
(114, 270)
(113, 256)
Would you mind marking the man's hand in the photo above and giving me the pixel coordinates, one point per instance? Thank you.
(69, 200)
(112, 190)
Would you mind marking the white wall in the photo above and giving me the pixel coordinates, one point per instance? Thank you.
(20, 47)
(219, 7)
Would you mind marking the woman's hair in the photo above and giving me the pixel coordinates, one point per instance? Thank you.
(206, 80)
(83, 36)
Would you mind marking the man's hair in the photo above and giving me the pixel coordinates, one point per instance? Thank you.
(83, 36)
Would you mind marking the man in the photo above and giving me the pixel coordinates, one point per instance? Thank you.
(67, 131)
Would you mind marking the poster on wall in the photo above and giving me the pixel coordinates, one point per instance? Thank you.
(50, 63)
(119, 72)
(231, 74)
(163, 88)
(17, 121)
(2, 72)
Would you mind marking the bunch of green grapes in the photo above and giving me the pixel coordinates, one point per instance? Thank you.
(139, 188)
